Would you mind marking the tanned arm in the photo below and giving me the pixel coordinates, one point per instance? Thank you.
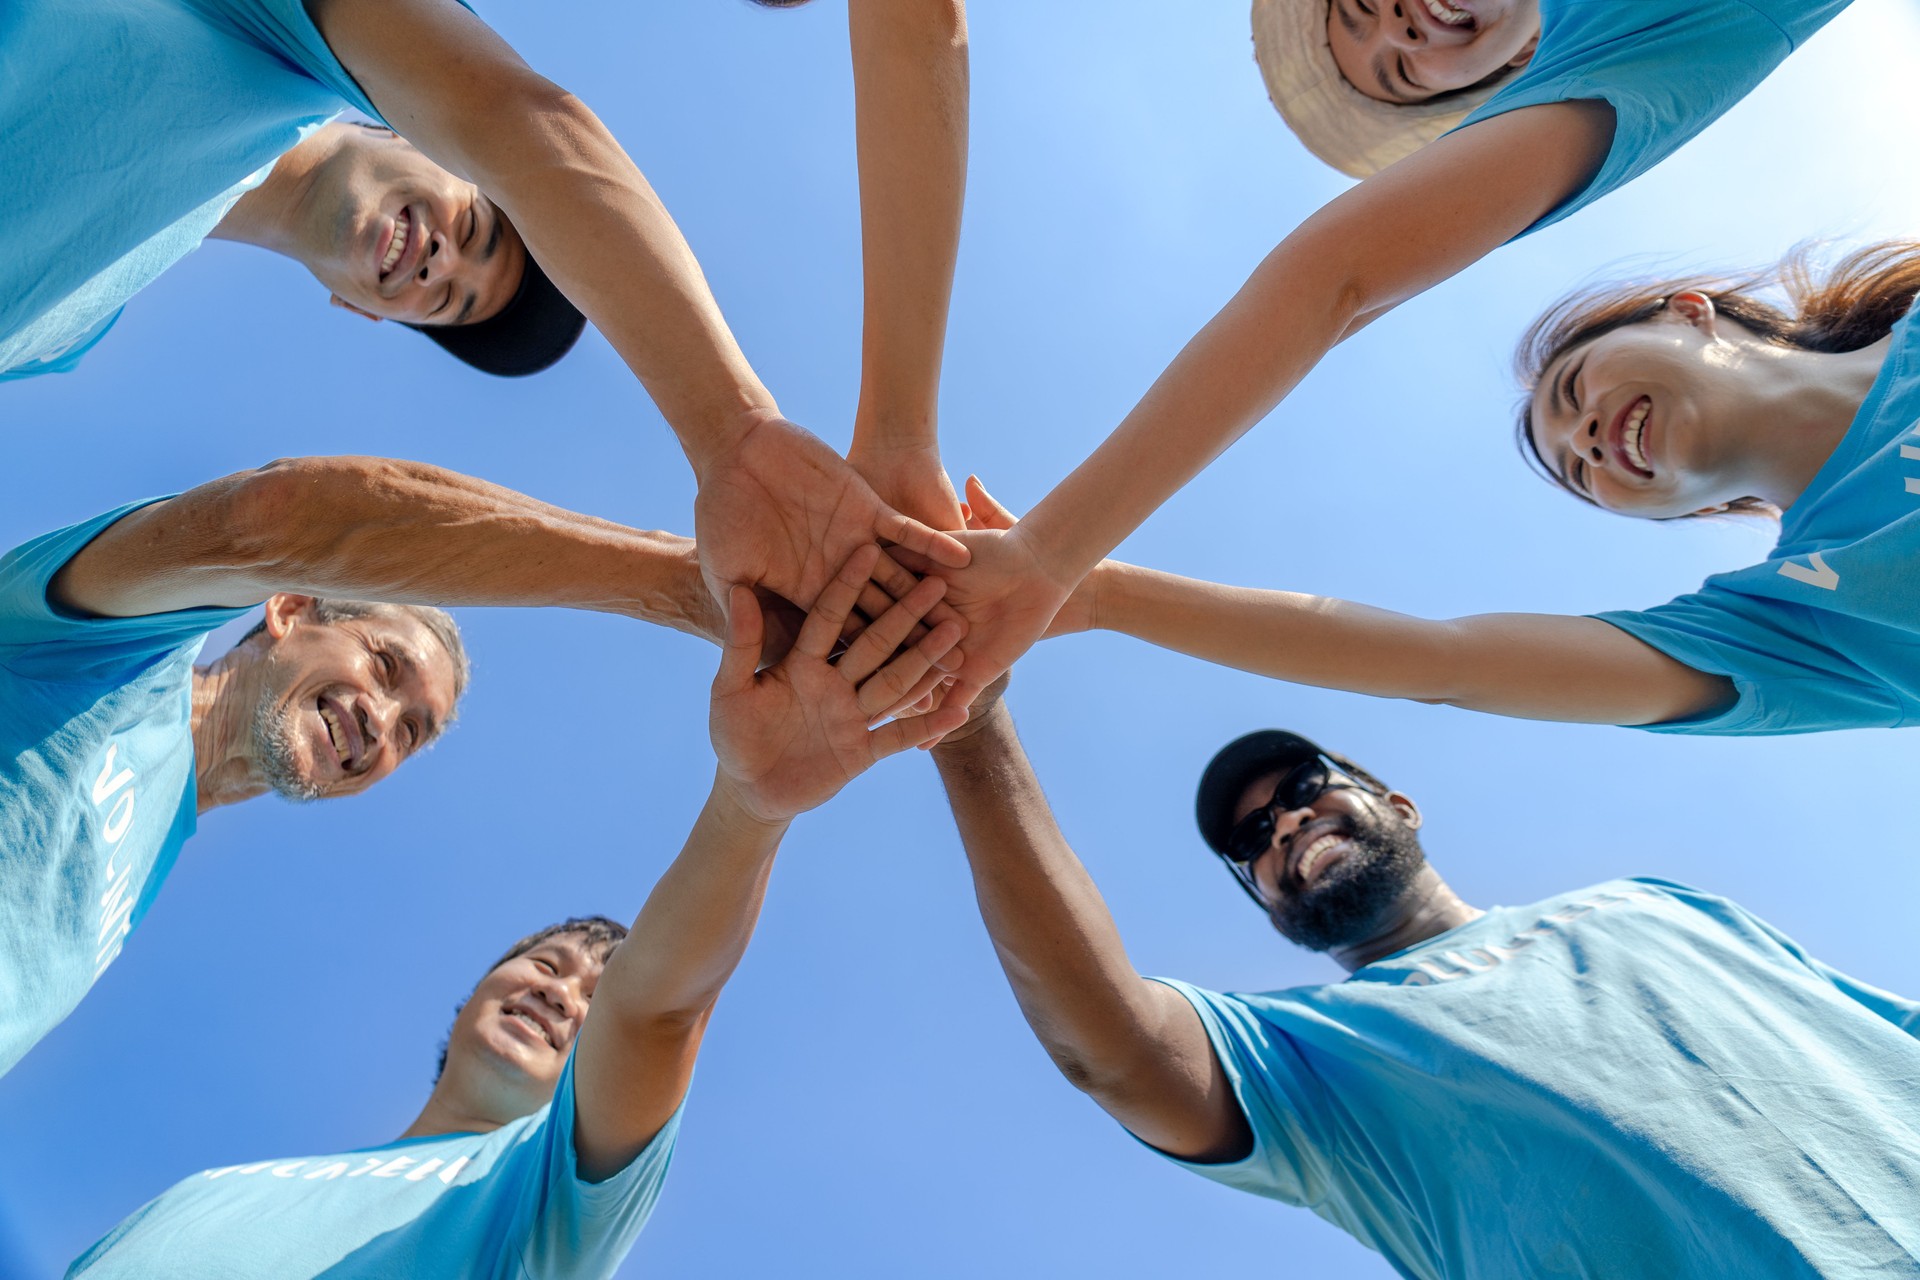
(380, 529)
(1136, 1047)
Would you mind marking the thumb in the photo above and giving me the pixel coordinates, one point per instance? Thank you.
(986, 508)
(740, 655)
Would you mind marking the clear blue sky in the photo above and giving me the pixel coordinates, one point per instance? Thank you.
(869, 1102)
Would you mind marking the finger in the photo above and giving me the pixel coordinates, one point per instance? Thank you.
(986, 508)
(897, 581)
(889, 631)
(746, 628)
(916, 701)
(898, 735)
(831, 608)
(898, 683)
(942, 548)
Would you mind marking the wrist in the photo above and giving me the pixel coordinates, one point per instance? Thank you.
(982, 735)
(733, 806)
(717, 435)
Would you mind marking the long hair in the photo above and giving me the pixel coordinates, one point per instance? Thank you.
(1851, 304)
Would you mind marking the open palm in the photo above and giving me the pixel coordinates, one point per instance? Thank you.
(790, 737)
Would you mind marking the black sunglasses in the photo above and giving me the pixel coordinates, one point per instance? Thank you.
(1298, 787)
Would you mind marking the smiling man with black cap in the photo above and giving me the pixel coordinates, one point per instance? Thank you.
(1633, 1079)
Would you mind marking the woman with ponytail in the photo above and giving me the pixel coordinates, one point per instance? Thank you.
(1674, 400)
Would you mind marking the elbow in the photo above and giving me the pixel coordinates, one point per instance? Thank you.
(278, 514)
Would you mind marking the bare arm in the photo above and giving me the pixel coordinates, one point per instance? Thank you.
(910, 91)
(1530, 665)
(380, 529)
(455, 89)
(1389, 239)
(1136, 1047)
(788, 739)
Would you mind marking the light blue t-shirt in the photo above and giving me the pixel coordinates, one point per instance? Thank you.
(134, 125)
(506, 1205)
(1669, 68)
(96, 780)
(1825, 632)
(1632, 1080)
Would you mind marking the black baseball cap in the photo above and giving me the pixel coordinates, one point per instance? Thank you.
(1237, 764)
(536, 327)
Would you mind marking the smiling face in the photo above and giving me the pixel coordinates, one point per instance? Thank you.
(395, 236)
(341, 704)
(511, 1038)
(1404, 51)
(1648, 419)
(1334, 870)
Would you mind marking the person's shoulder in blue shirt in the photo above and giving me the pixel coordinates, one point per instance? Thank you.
(508, 1201)
(1516, 1092)
(112, 741)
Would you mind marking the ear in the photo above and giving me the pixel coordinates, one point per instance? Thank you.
(1525, 55)
(1694, 307)
(1404, 806)
(284, 611)
(334, 299)
(1720, 510)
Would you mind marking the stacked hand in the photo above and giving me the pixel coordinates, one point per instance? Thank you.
(790, 737)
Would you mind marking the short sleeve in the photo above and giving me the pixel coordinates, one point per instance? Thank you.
(285, 27)
(1276, 1092)
(1788, 679)
(40, 640)
(585, 1228)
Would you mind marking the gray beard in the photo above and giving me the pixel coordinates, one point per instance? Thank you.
(273, 749)
(1352, 902)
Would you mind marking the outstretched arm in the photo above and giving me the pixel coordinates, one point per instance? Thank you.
(1136, 1047)
(1389, 239)
(777, 507)
(788, 739)
(910, 94)
(380, 529)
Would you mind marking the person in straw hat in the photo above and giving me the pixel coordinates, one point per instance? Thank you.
(1470, 123)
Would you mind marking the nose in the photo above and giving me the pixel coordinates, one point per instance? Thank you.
(443, 257)
(562, 993)
(1586, 440)
(379, 713)
(1400, 30)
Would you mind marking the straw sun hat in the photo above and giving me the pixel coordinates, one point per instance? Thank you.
(1355, 134)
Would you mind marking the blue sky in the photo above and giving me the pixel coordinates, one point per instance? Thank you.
(869, 1101)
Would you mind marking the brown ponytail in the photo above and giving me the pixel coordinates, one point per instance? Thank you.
(1852, 304)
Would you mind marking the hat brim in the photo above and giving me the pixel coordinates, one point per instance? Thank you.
(1237, 764)
(1355, 134)
(536, 327)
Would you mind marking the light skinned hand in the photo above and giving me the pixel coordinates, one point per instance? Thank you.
(984, 511)
(783, 511)
(912, 479)
(790, 737)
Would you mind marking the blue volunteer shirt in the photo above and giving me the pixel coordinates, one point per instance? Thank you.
(1637, 1079)
(1825, 632)
(510, 1205)
(1669, 68)
(96, 780)
(136, 124)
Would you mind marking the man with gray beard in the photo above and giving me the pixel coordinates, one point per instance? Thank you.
(1634, 1079)
(112, 742)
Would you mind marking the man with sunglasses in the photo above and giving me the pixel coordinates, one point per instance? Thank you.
(1633, 1079)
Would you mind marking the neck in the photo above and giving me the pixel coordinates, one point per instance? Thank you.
(221, 723)
(1807, 403)
(1427, 909)
(271, 215)
(469, 1100)
(443, 1115)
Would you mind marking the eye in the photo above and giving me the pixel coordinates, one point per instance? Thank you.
(413, 735)
(446, 300)
(1577, 475)
(388, 667)
(546, 966)
(473, 225)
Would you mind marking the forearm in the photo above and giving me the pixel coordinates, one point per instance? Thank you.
(1530, 666)
(695, 926)
(1055, 938)
(910, 92)
(381, 529)
(455, 89)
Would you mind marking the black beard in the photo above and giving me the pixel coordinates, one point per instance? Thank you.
(1353, 900)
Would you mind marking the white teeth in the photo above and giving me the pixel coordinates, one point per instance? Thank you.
(1630, 436)
(1447, 14)
(1313, 852)
(335, 734)
(532, 1022)
(398, 247)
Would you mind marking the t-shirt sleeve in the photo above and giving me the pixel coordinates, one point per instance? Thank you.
(1787, 678)
(585, 1228)
(285, 27)
(1667, 69)
(1279, 1097)
(38, 639)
